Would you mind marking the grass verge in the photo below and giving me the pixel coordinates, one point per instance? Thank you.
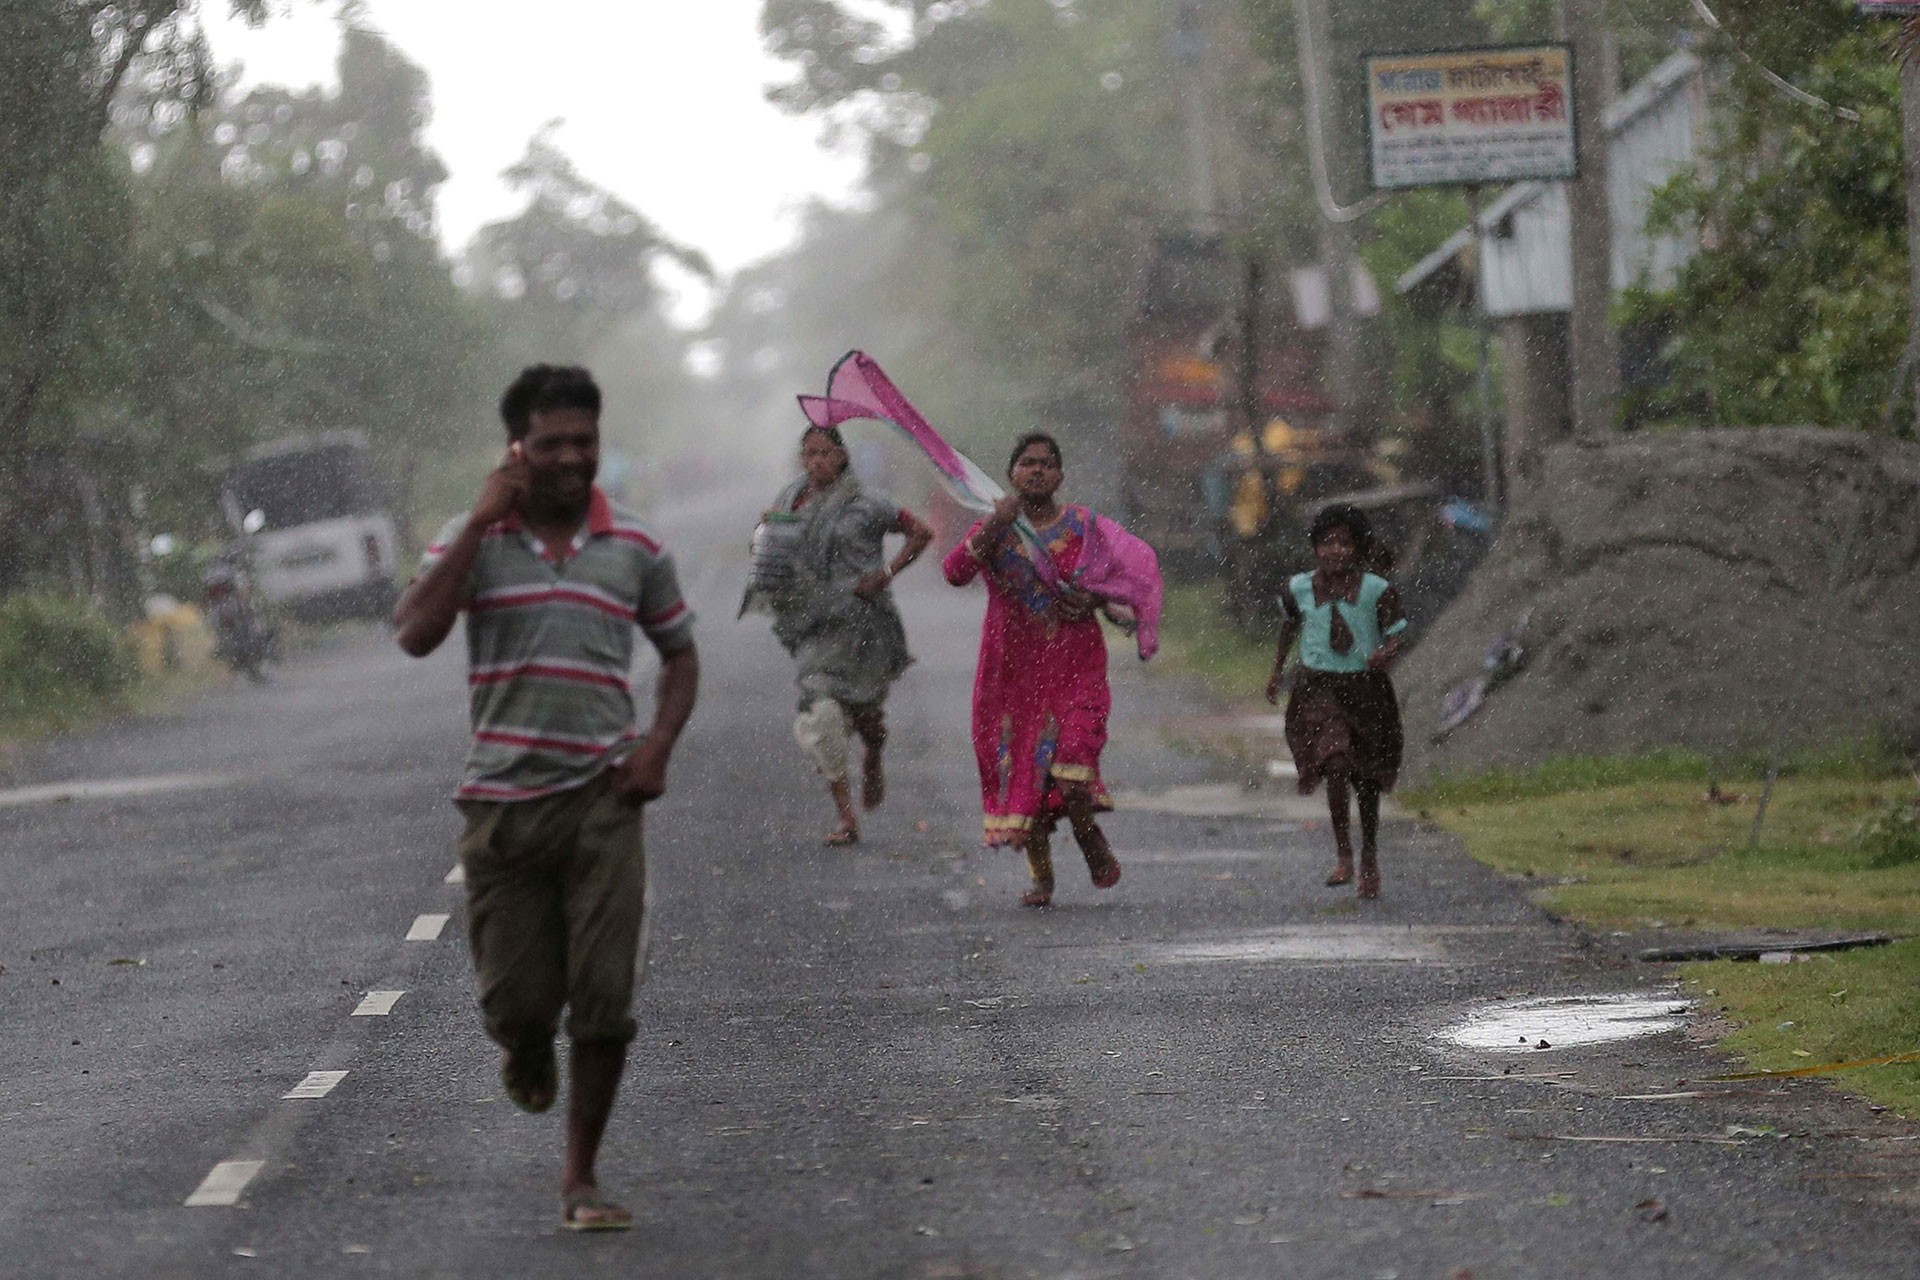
(1196, 639)
(1839, 1007)
(1665, 840)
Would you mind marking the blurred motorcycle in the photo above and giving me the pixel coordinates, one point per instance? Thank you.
(241, 638)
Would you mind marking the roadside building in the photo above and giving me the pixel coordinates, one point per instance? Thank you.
(1517, 258)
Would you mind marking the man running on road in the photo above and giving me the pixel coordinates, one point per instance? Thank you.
(553, 579)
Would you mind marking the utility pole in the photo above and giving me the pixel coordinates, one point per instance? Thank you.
(1337, 256)
(1595, 345)
(1910, 166)
(1483, 379)
(1192, 46)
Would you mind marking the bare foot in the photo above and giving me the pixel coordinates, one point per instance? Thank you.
(1037, 898)
(1369, 882)
(530, 1077)
(841, 837)
(1342, 873)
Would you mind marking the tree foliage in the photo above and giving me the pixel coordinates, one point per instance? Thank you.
(1796, 308)
(1038, 141)
(576, 252)
(573, 277)
(185, 272)
(857, 278)
(194, 273)
(63, 63)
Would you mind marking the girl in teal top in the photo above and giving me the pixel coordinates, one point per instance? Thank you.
(1343, 717)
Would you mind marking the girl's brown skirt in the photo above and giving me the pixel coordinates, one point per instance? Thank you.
(1344, 725)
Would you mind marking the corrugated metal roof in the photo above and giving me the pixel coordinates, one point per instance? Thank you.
(1525, 233)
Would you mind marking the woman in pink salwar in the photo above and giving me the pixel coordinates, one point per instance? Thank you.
(1040, 697)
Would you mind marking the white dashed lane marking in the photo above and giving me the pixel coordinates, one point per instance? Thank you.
(228, 1180)
(223, 1186)
(113, 788)
(318, 1084)
(426, 928)
(378, 1004)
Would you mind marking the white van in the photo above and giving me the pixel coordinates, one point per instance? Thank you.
(322, 537)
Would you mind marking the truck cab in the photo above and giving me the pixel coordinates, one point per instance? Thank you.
(321, 534)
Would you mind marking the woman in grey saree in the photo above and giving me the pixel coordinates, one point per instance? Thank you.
(835, 614)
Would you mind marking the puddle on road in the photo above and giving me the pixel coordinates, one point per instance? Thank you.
(1562, 1022)
(1203, 855)
(1336, 943)
(1223, 800)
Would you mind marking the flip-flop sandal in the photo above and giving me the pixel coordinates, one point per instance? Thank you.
(530, 1077)
(589, 1211)
(841, 839)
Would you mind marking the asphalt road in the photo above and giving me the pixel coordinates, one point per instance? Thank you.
(864, 1063)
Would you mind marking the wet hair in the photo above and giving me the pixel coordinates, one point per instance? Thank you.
(1341, 515)
(833, 437)
(542, 387)
(1027, 442)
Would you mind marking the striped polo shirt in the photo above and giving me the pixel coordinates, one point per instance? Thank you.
(550, 646)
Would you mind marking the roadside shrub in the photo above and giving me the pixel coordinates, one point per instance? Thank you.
(58, 652)
(1891, 837)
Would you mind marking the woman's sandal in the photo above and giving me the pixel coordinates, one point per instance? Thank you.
(841, 838)
(587, 1210)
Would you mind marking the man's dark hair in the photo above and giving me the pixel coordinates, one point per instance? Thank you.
(541, 387)
(1027, 442)
(1341, 515)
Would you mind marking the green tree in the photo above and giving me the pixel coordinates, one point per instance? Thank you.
(288, 280)
(1038, 143)
(1795, 309)
(63, 63)
(66, 226)
(576, 256)
(573, 278)
(865, 278)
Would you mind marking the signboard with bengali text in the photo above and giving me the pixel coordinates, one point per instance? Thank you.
(1471, 116)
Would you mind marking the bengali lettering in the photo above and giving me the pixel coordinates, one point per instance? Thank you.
(1498, 75)
(1417, 80)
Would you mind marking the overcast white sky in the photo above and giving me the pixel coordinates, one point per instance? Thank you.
(663, 103)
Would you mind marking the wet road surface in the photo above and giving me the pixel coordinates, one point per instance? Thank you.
(234, 975)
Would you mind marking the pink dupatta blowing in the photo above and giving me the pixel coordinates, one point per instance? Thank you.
(1113, 563)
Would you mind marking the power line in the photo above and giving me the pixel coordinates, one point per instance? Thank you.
(1331, 209)
(1792, 91)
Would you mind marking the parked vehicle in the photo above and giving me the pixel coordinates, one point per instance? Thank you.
(321, 532)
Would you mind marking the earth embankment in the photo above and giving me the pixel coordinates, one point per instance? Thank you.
(1719, 590)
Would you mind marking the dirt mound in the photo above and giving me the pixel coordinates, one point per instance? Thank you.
(1714, 590)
